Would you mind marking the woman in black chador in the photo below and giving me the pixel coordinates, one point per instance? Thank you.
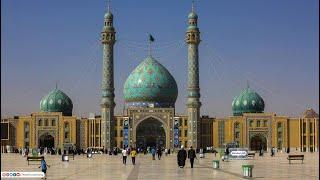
(182, 156)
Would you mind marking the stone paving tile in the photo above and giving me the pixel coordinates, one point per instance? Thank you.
(111, 167)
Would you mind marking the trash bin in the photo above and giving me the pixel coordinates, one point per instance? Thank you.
(89, 155)
(65, 157)
(215, 164)
(247, 170)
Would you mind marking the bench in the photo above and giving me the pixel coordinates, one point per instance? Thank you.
(251, 155)
(295, 157)
(34, 158)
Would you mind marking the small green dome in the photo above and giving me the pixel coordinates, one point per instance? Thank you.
(192, 15)
(150, 83)
(108, 15)
(56, 101)
(247, 102)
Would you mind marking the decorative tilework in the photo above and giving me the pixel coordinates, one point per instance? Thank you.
(150, 82)
(242, 104)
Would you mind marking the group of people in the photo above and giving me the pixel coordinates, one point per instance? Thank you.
(158, 152)
(133, 153)
(183, 154)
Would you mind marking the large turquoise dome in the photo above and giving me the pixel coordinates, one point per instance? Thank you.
(150, 84)
(56, 101)
(247, 102)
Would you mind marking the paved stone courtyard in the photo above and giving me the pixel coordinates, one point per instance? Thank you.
(111, 167)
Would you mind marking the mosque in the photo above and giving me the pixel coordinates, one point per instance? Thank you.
(149, 119)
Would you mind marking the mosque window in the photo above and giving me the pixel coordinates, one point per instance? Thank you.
(236, 125)
(311, 128)
(40, 122)
(279, 125)
(180, 122)
(66, 126)
(26, 135)
(236, 131)
(237, 135)
(258, 123)
(45, 122)
(121, 133)
(186, 133)
(26, 126)
(265, 123)
(116, 122)
(66, 135)
(311, 140)
(280, 135)
(186, 122)
(193, 36)
(53, 122)
(304, 128)
(250, 123)
(279, 144)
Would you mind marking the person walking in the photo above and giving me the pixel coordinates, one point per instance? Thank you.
(133, 154)
(261, 151)
(166, 151)
(272, 151)
(153, 152)
(181, 157)
(192, 155)
(124, 156)
(159, 152)
(44, 167)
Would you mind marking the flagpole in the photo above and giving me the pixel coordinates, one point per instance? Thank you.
(149, 47)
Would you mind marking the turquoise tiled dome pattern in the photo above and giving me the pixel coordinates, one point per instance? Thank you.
(247, 102)
(193, 15)
(56, 101)
(150, 82)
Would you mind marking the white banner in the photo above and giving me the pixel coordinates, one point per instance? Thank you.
(238, 153)
(22, 174)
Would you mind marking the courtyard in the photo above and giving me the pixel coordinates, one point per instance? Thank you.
(111, 167)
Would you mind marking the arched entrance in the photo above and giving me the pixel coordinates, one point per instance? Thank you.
(46, 140)
(258, 141)
(150, 133)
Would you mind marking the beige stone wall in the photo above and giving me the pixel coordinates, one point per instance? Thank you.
(290, 134)
(294, 133)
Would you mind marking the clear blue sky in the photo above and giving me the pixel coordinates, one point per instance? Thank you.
(273, 44)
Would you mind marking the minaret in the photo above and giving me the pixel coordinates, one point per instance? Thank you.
(193, 103)
(107, 86)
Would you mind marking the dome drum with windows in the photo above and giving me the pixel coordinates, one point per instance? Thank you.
(56, 101)
(247, 102)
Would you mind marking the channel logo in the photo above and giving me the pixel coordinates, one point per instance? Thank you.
(22, 174)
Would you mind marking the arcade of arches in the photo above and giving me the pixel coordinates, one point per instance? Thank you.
(300, 134)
